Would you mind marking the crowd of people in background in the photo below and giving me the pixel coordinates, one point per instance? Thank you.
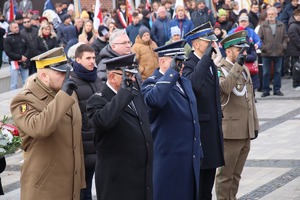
(270, 34)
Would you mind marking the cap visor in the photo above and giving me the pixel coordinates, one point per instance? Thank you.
(62, 68)
(211, 37)
(133, 71)
(242, 45)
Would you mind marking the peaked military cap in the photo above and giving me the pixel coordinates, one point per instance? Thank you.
(54, 59)
(237, 39)
(204, 32)
(117, 63)
(170, 50)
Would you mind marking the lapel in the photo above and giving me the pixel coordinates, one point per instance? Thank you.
(208, 72)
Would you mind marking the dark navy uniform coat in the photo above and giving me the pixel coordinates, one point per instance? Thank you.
(205, 82)
(176, 135)
(123, 145)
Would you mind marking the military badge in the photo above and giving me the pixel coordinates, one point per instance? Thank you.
(23, 108)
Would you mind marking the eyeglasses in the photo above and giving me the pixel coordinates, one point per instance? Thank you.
(124, 43)
(25, 22)
(127, 74)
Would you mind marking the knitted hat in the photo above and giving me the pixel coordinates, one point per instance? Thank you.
(175, 30)
(222, 12)
(102, 30)
(18, 16)
(65, 17)
(143, 30)
(218, 25)
(84, 14)
(145, 12)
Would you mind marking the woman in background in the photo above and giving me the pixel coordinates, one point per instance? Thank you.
(46, 39)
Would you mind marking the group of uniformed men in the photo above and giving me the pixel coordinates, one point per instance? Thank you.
(170, 138)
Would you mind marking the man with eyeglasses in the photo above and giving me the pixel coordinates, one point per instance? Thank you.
(30, 33)
(119, 44)
(122, 135)
(17, 49)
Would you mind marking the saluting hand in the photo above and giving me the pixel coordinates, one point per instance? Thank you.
(241, 57)
(69, 84)
(210, 50)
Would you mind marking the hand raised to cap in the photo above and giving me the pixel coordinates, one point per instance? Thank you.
(241, 58)
(210, 49)
(176, 64)
(69, 84)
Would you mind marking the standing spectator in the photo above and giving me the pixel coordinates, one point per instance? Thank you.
(88, 31)
(287, 12)
(254, 14)
(46, 39)
(182, 21)
(160, 31)
(222, 19)
(17, 49)
(293, 49)
(112, 26)
(31, 34)
(85, 16)
(146, 18)
(101, 41)
(133, 29)
(176, 36)
(122, 135)
(144, 52)
(6, 8)
(78, 25)
(154, 14)
(25, 5)
(121, 18)
(234, 13)
(274, 38)
(49, 121)
(119, 44)
(85, 76)
(278, 6)
(2, 34)
(202, 15)
(19, 20)
(202, 72)
(58, 10)
(240, 122)
(167, 4)
(177, 145)
(64, 5)
(62, 33)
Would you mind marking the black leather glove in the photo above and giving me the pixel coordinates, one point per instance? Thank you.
(176, 63)
(127, 83)
(69, 84)
(241, 57)
(255, 135)
(210, 49)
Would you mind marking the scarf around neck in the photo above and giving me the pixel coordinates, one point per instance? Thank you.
(83, 73)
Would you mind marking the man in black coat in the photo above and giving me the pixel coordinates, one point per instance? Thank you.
(254, 14)
(85, 75)
(122, 135)
(101, 41)
(202, 72)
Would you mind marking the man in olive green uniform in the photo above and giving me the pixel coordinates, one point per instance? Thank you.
(240, 123)
(49, 121)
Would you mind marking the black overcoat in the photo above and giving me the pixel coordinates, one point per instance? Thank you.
(206, 88)
(123, 145)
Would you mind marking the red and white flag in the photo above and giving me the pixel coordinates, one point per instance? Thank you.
(98, 17)
(14, 65)
(11, 15)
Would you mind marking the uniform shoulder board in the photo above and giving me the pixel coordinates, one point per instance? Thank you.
(99, 93)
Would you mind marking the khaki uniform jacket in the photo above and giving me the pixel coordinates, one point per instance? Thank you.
(239, 112)
(50, 126)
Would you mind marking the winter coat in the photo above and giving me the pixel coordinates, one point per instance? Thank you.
(226, 25)
(84, 91)
(98, 45)
(31, 35)
(253, 18)
(147, 58)
(176, 136)
(50, 126)
(133, 31)
(287, 13)
(124, 145)
(273, 46)
(185, 25)
(200, 17)
(160, 31)
(293, 48)
(105, 54)
(206, 88)
(15, 45)
(45, 44)
(2, 34)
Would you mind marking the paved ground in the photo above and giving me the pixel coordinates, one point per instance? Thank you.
(272, 170)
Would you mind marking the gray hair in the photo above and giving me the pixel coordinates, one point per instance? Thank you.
(272, 9)
(117, 33)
